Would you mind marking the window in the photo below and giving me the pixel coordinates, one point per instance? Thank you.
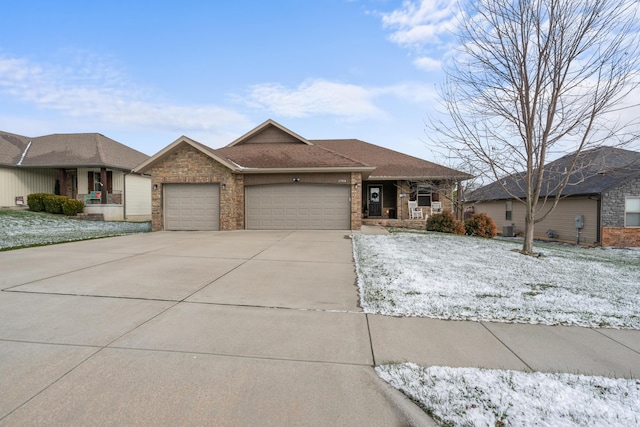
(632, 212)
(424, 195)
(93, 179)
(507, 213)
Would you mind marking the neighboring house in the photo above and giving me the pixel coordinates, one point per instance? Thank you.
(273, 178)
(603, 195)
(74, 165)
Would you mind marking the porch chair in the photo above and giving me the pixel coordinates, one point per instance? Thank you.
(414, 211)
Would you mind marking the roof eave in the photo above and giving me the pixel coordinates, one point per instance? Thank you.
(333, 169)
(147, 164)
(417, 178)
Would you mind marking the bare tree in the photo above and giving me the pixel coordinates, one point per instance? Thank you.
(532, 79)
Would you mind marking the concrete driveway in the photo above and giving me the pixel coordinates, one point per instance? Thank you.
(237, 328)
(190, 328)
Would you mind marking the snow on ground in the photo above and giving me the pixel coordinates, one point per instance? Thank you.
(465, 278)
(482, 397)
(22, 229)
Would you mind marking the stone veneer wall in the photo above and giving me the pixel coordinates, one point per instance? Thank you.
(614, 233)
(356, 201)
(186, 165)
(444, 197)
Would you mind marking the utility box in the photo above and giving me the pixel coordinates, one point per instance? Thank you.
(579, 222)
(507, 231)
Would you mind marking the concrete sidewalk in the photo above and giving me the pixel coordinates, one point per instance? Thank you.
(236, 328)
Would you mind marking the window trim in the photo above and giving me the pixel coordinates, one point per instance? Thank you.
(626, 211)
(508, 210)
(427, 193)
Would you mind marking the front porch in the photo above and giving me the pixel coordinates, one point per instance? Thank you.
(388, 200)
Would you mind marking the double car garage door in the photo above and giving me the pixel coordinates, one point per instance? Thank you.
(268, 207)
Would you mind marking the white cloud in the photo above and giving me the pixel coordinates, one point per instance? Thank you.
(94, 90)
(427, 64)
(347, 101)
(419, 23)
(313, 97)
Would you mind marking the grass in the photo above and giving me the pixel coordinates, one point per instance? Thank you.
(464, 278)
(22, 229)
(486, 397)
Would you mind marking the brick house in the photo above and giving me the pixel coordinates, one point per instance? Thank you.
(603, 194)
(273, 178)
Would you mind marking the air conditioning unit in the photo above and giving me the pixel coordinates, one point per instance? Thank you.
(508, 231)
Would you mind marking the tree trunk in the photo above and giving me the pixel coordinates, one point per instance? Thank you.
(527, 245)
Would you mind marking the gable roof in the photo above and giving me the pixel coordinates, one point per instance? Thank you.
(270, 132)
(390, 164)
(175, 145)
(67, 150)
(272, 148)
(596, 171)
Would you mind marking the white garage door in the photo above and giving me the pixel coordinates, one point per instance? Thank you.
(191, 207)
(298, 207)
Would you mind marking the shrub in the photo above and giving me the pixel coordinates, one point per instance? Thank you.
(39, 202)
(445, 223)
(53, 203)
(72, 207)
(35, 201)
(481, 225)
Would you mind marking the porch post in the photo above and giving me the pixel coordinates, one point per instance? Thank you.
(62, 179)
(103, 189)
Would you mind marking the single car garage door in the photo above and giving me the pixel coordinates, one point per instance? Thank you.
(298, 207)
(191, 207)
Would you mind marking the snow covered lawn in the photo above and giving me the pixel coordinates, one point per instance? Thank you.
(464, 278)
(22, 229)
(481, 397)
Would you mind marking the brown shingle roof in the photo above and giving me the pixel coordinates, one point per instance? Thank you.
(69, 150)
(285, 156)
(11, 148)
(389, 164)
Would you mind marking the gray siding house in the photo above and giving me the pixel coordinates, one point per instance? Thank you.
(603, 194)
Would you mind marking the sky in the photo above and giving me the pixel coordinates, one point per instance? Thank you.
(144, 73)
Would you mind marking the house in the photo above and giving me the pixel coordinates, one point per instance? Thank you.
(602, 197)
(74, 165)
(273, 178)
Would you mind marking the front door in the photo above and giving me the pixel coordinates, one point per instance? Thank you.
(375, 200)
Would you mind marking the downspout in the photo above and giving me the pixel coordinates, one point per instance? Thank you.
(599, 219)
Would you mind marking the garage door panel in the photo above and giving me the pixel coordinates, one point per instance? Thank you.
(298, 207)
(192, 206)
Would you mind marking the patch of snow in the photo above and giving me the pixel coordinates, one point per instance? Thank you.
(483, 397)
(464, 278)
(21, 229)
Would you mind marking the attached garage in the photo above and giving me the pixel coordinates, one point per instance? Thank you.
(298, 207)
(191, 207)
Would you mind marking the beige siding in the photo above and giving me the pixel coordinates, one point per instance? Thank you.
(22, 182)
(137, 198)
(561, 220)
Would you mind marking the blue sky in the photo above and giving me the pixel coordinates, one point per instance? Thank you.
(145, 72)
